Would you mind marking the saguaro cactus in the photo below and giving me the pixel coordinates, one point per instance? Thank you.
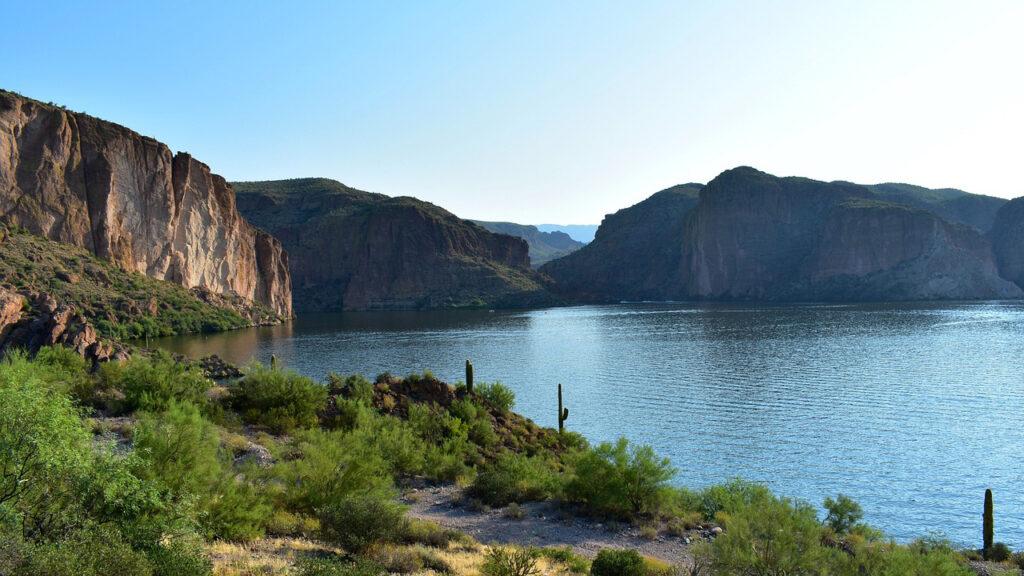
(563, 413)
(988, 522)
(469, 376)
(273, 362)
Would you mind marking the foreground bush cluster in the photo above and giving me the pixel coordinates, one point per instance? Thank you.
(132, 468)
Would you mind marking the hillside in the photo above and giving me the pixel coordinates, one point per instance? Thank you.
(126, 198)
(53, 293)
(355, 250)
(748, 235)
(544, 246)
(579, 232)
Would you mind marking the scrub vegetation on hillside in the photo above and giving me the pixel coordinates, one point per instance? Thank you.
(146, 467)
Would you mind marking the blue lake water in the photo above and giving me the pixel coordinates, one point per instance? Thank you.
(912, 409)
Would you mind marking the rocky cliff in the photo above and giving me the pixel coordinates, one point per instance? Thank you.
(754, 236)
(355, 250)
(544, 246)
(635, 254)
(126, 198)
(1007, 236)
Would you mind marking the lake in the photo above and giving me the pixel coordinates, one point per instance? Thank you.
(912, 409)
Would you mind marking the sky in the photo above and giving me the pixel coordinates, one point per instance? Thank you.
(545, 111)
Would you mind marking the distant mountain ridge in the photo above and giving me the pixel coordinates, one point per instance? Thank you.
(356, 250)
(748, 235)
(544, 246)
(579, 232)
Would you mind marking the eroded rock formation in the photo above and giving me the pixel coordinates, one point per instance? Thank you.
(123, 196)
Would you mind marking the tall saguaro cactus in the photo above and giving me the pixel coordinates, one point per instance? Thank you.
(469, 376)
(563, 413)
(273, 362)
(988, 522)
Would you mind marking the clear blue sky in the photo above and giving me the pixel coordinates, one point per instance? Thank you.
(546, 111)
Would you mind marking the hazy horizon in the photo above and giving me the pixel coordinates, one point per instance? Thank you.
(540, 112)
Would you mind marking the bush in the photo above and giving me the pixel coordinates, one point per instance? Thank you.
(328, 467)
(772, 537)
(734, 495)
(999, 552)
(152, 384)
(515, 478)
(564, 555)
(509, 562)
(85, 553)
(179, 559)
(334, 567)
(281, 400)
(620, 480)
(499, 396)
(429, 534)
(357, 522)
(843, 514)
(613, 562)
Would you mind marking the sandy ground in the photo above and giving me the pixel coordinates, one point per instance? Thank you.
(542, 524)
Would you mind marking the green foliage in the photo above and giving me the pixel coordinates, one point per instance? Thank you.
(359, 521)
(335, 567)
(179, 558)
(774, 537)
(84, 553)
(734, 495)
(998, 552)
(281, 400)
(843, 513)
(328, 467)
(515, 478)
(620, 480)
(121, 305)
(498, 396)
(613, 562)
(154, 383)
(509, 562)
(564, 554)
(180, 450)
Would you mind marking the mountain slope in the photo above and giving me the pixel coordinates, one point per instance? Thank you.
(579, 232)
(753, 236)
(635, 255)
(544, 246)
(355, 250)
(124, 197)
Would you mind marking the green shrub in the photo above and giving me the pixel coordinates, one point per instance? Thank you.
(620, 480)
(772, 537)
(999, 552)
(515, 478)
(564, 554)
(429, 534)
(336, 567)
(281, 400)
(328, 467)
(85, 553)
(843, 514)
(152, 384)
(354, 387)
(509, 562)
(179, 559)
(734, 495)
(613, 562)
(499, 396)
(359, 521)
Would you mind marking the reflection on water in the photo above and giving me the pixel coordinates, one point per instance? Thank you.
(912, 409)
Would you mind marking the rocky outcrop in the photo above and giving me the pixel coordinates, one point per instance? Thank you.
(355, 250)
(49, 323)
(1007, 238)
(83, 181)
(636, 253)
(544, 246)
(754, 236)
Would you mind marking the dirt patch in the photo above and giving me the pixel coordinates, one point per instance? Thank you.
(541, 524)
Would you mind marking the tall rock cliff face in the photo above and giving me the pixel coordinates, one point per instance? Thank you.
(83, 181)
(754, 236)
(354, 250)
(1007, 238)
(636, 253)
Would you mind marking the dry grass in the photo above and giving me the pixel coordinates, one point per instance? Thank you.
(281, 555)
(261, 557)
